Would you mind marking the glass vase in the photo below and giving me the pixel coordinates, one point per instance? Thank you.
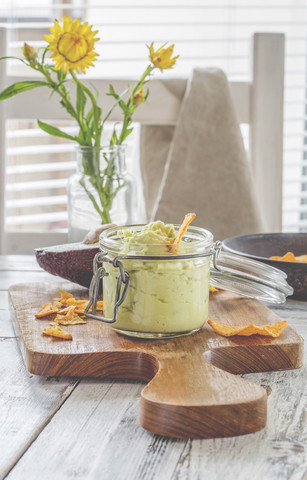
(101, 191)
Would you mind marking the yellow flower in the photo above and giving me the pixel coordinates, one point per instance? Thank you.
(72, 45)
(30, 53)
(138, 97)
(162, 57)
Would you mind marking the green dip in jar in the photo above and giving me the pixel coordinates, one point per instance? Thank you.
(168, 294)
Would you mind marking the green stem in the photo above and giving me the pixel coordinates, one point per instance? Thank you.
(95, 108)
(130, 107)
(114, 106)
(62, 92)
(126, 123)
(104, 213)
(139, 84)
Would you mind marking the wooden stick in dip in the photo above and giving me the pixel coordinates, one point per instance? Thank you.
(181, 231)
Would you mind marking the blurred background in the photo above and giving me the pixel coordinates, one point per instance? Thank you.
(205, 33)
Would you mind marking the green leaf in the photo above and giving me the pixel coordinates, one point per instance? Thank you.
(114, 138)
(123, 106)
(89, 123)
(56, 88)
(68, 107)
(127, 133)
(81, 101)
(15, 58)
(20, 87)
(112, 92)
(119, 101)
(61, 75)
(80, 138)
(89, 115)
(56, 132)
(44, 54)
(90, 119)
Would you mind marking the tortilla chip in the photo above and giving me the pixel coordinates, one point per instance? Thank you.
(64, 297)
(69, 318)
(213, 289)
(99, 305)
(272, 330)
(81, 304)
(64, 310)
(57, 303)
(78, 304)
(58, 332)
(73, 320)
(288, 257)
(302, 258)
(182, 230)
(64, 294)
(47, 309)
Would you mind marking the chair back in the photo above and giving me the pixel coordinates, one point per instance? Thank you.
(259, 104)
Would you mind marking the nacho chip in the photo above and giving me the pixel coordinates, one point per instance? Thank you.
(302, 258)
(63, 310)
(47, 309)
(57, 303)
(81, 304)
(64, 297)
(182, 230)
(99, 305)
(73, 320)
(213, 289)
(288, 257)
(69, 318)
(78, 304)
(56, 331)
(272, 330)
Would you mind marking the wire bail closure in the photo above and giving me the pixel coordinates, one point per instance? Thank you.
(123, 278)
(99, 273)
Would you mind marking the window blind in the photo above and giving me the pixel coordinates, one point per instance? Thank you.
(205, 33)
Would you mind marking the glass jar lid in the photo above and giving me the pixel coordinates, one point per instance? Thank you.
(249, 278)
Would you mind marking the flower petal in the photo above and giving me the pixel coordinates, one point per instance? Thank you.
(72, 45)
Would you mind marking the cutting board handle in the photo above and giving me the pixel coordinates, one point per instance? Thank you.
(189, 397)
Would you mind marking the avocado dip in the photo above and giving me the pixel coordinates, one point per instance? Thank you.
(166, 296)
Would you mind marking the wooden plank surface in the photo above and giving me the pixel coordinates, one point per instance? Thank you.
(129, 452)
(27, 404)
(96, 435)
(186, 395)
(27, 401)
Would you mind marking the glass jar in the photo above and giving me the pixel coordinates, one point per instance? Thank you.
(101, 191)
(150, 291)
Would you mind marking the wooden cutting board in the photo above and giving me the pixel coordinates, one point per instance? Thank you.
(192, 391)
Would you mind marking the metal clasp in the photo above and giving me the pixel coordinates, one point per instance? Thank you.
(216, 248)
(99, 273)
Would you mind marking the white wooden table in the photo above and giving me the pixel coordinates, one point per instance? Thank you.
(67, 428)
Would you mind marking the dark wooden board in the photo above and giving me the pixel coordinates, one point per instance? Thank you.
(192, 391)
